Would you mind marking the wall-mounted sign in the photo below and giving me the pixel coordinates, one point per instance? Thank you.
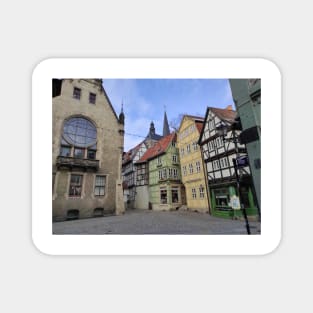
(235, 203)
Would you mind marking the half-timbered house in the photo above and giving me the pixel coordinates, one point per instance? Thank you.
(135, 175)
(129, 174)
(218, 153)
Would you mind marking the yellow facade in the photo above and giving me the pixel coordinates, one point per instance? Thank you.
(191, 164)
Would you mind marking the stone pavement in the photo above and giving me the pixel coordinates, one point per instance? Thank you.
(155, 222)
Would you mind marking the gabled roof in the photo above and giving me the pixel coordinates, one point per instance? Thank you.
(129, 155)
(199, 126)
(201, 118)
(193, 117)
(159, 148)
(227, 115)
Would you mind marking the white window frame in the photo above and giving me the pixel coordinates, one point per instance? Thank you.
(99, 186)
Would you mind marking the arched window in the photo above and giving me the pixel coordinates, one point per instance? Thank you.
(79, 139)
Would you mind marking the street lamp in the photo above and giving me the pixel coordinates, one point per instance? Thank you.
(238, 162)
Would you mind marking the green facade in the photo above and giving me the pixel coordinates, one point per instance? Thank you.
(165, 189)
(247, 98)
(224, 210)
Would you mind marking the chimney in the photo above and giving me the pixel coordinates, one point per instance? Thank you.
(229, 107)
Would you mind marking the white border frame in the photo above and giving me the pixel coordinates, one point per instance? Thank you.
(261, 244)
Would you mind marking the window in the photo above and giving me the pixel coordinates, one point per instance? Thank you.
(91, 154)
(221, 197)
(170, 172)
(201, 192)
(193, 193)
(184, 170)
(164, 173)
(92, 98)
(175, 195)
(217, 141)
(226, 162)
(76, 185)
(174, 158)
(100, 185)
(159, 161)
(65, 151)
(160, 174)
(182, 151)
(80, 132)
(175, 173)
(195, 146)
(198, 166)
(188, 148)
(76, 93)
(79, 153)
(211, 146)
(79, 138)
(190, 168)
(173, 144)
(163, 195)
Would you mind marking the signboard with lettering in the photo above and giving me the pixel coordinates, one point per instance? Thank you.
(242, 161)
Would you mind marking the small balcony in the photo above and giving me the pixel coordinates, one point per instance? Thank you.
(170, 179)
(69, 162)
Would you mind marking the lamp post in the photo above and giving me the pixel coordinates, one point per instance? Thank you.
(222, 131)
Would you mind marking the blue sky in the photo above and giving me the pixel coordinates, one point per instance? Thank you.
(144, 101)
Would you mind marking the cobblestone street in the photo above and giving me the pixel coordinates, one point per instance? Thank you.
(151, 222)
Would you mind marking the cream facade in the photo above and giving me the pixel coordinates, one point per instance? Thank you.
(191, 163)
(87, 146)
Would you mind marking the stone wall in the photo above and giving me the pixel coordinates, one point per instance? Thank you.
(110, 140)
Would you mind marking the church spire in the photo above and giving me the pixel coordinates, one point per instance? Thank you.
(166, 128)
(122, 116)
(152, 129)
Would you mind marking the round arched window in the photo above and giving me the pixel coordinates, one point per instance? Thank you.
(79, 138)
(80, 132)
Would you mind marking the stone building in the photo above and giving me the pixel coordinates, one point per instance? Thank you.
(193, 174)
(87, 146)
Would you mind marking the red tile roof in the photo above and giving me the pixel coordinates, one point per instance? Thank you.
(199, 126)
(158, 148)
